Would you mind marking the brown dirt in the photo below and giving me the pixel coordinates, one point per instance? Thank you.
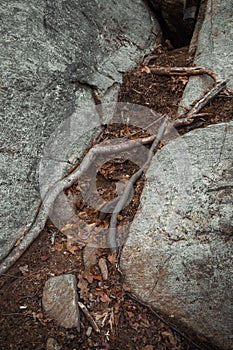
(134, 326)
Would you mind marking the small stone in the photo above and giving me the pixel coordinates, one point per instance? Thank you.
(52, 344)
(103, 268)
(88, 332)
(90, 256)
(60, 301)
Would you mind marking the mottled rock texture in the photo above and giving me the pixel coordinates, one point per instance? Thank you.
(214, 49)
(60, 300)
(54, 55)
(178, 256)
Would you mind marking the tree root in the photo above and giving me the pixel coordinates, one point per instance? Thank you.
(181, 71)
(187, 118)
(106, 147)
(112, 236)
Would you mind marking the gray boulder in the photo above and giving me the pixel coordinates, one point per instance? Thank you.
(214, 49)
(60, 301)
(57, 57)
(178, 256)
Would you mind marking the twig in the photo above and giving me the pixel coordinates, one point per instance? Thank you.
(183, 71)
(150, 57)
(193, 113)
(169, 324)
(206, 99)
(112, 235)
(200, 19)
(147, 60)
(89, 317)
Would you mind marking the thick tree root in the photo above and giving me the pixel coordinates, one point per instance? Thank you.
(107, 147)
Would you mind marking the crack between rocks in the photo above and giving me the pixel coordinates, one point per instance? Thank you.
(222, 147)
(159, 273)
(221, 187)
(13, 153)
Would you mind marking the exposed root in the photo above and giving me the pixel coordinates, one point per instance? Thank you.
(181, 71)
(107, 147)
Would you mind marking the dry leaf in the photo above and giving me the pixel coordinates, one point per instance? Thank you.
(126, 288)
(67, 227)
(88, 276)
(58, 247)
(103, 297)
(146, 69)
(90, 255)
(83, 286)
(184, 80)
(72, 249)
(170, 336)
(24, 269)
(97, 277)
(112, 258)
(130, 314)
(148, 347)
(103, 268)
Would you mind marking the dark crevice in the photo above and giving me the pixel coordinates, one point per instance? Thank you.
(177, 20)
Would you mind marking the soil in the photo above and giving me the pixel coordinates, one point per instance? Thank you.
(126, 323)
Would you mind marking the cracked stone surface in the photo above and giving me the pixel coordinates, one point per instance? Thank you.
(178, 256)
(214, 50)
(60, 301)
(53, 55)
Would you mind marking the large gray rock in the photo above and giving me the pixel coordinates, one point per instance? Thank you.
(178, 256)
(60, 301)
(54, 56)
(214, 50)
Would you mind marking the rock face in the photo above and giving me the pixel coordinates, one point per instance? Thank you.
(54, 56)
(214, 49)
(178, 256)
(60, 300)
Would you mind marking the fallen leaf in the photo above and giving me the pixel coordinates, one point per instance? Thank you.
(146, 69)
(103, 296)
(170, 336)
(103, 268)
(67, 227)
(24, 269)
(44, 257)
(148, 347)
(58, 247)
(70, 245)
(126, 288)
(98, 277)
(72, 249)
(184, 80)
(112, 258)
(83, 286)
(130, 314)
(88, 276)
